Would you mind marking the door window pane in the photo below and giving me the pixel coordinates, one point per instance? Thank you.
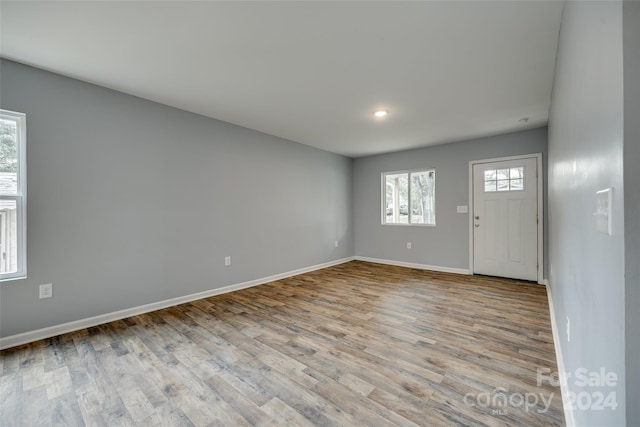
(504, 179)
(517, 184)
(503, 173)
(503, 185)
(516, 173)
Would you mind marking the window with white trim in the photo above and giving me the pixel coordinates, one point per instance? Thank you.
(13, 216)
(409, 197)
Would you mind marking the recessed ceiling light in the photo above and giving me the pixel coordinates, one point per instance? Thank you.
(380, 114)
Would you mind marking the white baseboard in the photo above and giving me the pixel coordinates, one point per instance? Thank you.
(557, 344)
(414, 265)
(51, 331)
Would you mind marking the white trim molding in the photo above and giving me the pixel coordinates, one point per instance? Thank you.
(568, 414)
(414, 265)
(51, 331)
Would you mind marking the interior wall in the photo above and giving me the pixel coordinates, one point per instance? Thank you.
(585, 156)
(631, 46)
(446, 244)
(132, 202)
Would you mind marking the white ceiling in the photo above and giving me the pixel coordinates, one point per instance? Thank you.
(312, 72)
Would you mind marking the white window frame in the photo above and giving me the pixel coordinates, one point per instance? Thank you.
(383, 190)
(21, 195)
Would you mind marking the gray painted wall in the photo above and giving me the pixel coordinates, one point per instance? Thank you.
(446, 244)
(586, 155)
(631, 46)
(132, 202)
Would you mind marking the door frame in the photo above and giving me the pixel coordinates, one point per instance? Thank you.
(540, 189)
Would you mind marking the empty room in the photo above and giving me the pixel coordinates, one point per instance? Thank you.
(319, 213)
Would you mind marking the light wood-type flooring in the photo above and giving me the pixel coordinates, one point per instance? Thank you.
(358, 344)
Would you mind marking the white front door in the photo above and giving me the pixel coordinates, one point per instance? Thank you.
(505, 215)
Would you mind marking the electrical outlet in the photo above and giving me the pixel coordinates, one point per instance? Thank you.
(568, 329)
(46, 291)
(227, 261)
(408, 245)
(336, 244)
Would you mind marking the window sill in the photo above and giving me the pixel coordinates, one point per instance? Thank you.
(409, 225)
(11, 278)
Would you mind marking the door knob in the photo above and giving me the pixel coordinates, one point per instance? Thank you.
(477, 225)
(477, 217)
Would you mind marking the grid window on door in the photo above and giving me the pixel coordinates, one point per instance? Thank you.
(511, 179)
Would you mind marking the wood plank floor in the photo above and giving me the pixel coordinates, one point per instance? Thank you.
(357, 344)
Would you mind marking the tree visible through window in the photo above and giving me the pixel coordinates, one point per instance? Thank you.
(409, 197)
(12, 194)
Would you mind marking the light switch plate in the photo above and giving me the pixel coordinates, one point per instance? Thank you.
(463, 209)
(603, 211)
